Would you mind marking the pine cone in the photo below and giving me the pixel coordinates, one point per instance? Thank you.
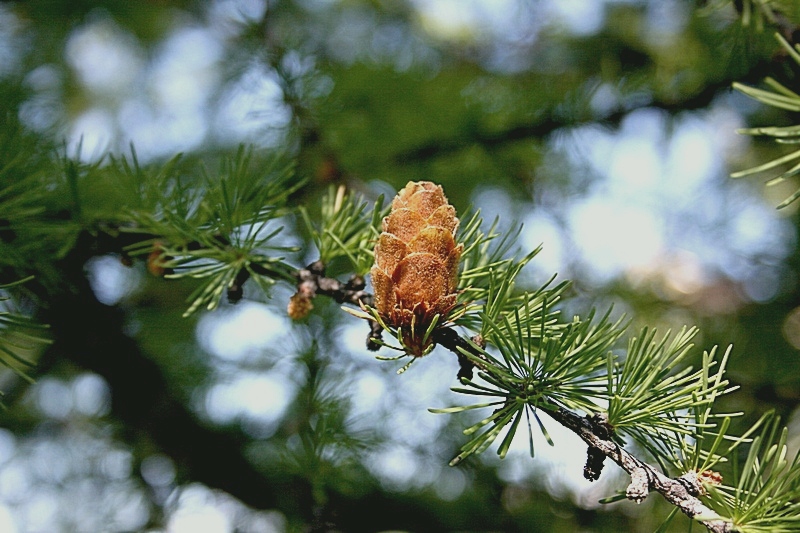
(416, 262)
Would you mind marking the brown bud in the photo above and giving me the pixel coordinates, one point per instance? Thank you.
(710, 477)
(156, 260)
(416, 262)
(299, 306)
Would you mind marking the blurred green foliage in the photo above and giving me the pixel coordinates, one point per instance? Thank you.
(370, 95)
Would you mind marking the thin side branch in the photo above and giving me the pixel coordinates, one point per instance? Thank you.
(681, 492)
(451, 340)
(311, 281)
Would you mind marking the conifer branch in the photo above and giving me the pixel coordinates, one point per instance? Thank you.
(683, 492)
(547, 366)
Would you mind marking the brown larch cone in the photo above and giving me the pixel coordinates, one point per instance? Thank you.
(416, 262)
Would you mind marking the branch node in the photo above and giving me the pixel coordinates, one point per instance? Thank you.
(236, 289)
(478, 339)
(356, 283)
(301, 302)
(601, 426)
(639, 488)
(317, 268)
(691, 482)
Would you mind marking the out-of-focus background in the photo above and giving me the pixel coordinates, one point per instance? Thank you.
(606, 127)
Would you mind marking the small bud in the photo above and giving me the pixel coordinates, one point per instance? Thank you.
(236, 289)
(299, 306)
(156, 260)
(710, 477)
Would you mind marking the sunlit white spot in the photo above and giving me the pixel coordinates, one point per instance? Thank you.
(8, 445)
(253, 105)
(91, 395)
(634, 166)
(581, 17)
(184, 71)
(614, 237)
(91, 134)
(240, 11)
(684, 273)
(158, 470)
(116, 464)
(262, 398)
(199, 519)
(7, 522)
(234, 333)
(691, 158)
(110, 280)
(396, 466)
(105, 58)
(53, 398)
(540, 229)
(449, 19)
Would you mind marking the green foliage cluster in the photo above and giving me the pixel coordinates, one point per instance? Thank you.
(781, 97)
(344, 229)
(766, 486)
(19, 336)
(219, 230)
